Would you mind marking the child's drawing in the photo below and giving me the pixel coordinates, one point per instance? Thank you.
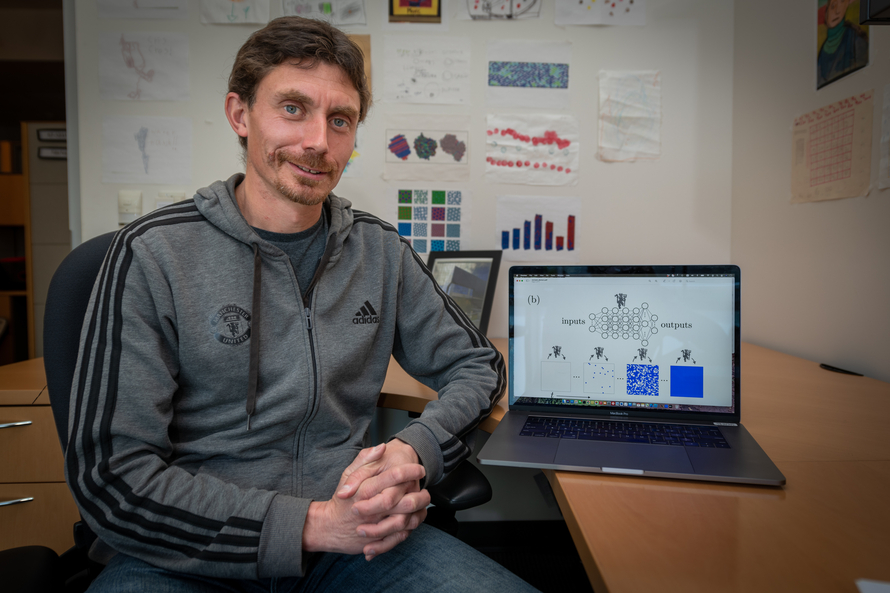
(335, 12)
(143, 66)
(134, 60)
(234, 12)
(427, 146)
(503, 9)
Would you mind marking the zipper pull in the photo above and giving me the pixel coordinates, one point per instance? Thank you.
(308, 318)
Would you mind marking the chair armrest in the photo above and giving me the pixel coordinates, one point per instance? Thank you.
(463, 488)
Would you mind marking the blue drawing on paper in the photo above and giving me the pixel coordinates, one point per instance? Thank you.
(140, 136)
(545, 75)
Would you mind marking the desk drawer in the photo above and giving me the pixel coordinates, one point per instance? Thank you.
(48, 520)
(31, 453)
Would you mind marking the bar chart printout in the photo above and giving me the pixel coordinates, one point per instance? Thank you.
(532, 239)
(539, 228)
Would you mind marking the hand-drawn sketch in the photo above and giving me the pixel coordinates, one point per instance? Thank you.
(145, 149)
(432, 219)
(142, 9)
(234, 12)
(831, 146)
(503, 9)
(336, 12)
(537, 228)
(427, 69)
(134, 60)
(532, 149)
(601, 12)
(630, 115)
(141, 136)
(528, 74)
(144, 66)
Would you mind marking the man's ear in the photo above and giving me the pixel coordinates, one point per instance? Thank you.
(237, 113)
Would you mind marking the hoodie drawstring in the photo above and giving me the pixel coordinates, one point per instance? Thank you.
(253, 375)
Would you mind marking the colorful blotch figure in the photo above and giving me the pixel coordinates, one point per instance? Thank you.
(541, 75)
(425, 147)
(451, 145)
(398, 145)
(845, 46)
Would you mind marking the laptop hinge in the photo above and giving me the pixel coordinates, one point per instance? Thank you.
(725, 424)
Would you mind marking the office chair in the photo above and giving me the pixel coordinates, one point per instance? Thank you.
(66, 305)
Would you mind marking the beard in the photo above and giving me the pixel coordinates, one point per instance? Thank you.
(302, 193)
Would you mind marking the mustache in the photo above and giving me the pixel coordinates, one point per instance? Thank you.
(308, 160)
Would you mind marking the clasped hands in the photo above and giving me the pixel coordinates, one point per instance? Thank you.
(377, 504)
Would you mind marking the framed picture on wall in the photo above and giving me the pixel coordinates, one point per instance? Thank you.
(842, 43)
(415, 11)
(469, 278)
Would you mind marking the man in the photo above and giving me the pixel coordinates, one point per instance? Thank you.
(223, 390)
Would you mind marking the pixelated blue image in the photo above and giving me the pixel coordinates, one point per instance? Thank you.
(687, 381)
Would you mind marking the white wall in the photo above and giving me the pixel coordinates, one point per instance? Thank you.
(816, 277)
(674, 210)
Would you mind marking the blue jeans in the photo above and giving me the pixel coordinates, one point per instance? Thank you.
(429, 560)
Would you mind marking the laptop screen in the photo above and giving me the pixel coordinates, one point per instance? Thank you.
(626, 341)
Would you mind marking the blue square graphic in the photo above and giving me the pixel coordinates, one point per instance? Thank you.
(687, 381)
(452, 230)
(437, 245)
(642, 379)
(420, 245)
(454, 198)
(405, 229)
(420, 229)
(420, 213)
(452, 245)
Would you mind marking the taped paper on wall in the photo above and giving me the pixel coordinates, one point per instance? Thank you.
(339, 13)
(144, 66)
(427, 148)
(831, 151)
(884, 174)
(144, 149)
(528, 74)
(538, 228)
(432, 218)
(630, 115)
(427, 69)
(532, 149)
(626, 13)
(143, 9)
(234, 12)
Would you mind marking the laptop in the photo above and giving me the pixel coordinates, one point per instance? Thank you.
(630, 370)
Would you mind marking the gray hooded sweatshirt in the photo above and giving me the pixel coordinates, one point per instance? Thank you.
(212, 401)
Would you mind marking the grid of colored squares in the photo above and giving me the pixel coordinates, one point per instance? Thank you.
(430, 219)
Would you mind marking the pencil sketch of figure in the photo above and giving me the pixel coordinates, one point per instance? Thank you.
(134, 59)
(686, 355)
(643, 352)
(622, 299)
(140, 136)
(557, 352)
(598, 352)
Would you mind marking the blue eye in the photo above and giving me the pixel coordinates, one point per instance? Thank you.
(292, 109)
(340, 123)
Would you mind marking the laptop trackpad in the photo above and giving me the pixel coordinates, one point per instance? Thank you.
(599, 454)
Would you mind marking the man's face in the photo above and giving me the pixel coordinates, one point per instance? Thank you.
(835, 12)
(301, 131)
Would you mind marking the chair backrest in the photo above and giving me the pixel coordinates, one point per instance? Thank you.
(66, 307)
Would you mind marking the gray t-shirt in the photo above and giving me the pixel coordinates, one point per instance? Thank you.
(304, 248)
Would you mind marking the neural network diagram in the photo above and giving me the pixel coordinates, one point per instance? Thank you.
(623, 322)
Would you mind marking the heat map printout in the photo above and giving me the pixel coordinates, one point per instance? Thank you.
(651, 340)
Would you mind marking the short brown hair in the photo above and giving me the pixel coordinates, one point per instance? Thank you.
(307, 40)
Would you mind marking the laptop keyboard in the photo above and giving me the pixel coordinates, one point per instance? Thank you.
(625, 432)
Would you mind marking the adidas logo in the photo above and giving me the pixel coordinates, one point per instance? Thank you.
(366, 314)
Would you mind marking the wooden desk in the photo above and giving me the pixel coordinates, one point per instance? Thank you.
(31, 464)
(829, 526)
